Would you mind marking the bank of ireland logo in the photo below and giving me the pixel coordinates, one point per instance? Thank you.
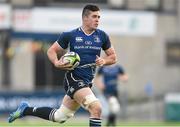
(96, 39)
(79, 39)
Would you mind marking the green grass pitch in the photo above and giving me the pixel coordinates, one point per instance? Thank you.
(38, 124)
(81, 123)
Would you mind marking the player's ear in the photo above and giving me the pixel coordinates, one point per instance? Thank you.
(85, 18)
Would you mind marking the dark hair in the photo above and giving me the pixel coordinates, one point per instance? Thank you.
(88, 8)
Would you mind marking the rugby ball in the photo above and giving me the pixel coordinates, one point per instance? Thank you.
(73, 58)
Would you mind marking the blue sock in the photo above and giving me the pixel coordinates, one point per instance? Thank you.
(95, 122)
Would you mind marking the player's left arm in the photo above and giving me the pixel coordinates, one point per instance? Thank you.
(108, 59)
(98, 81)
(123, 77)
(122, 74)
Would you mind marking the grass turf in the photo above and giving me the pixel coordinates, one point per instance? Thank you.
(79, 123)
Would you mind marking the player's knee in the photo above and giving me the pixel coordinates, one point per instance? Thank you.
(114, 105)
(95, 109)
(92, 104)
(62, 114)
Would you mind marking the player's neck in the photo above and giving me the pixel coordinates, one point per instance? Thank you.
(86, 30)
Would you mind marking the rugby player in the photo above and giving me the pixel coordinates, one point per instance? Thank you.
(86, 40)
(107, 81)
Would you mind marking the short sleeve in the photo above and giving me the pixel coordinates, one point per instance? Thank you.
(63, 39)
(121, 70)
(100, 71)
(106, 41)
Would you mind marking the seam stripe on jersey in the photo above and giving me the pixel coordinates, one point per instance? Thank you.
(74, 78)
(67, 81)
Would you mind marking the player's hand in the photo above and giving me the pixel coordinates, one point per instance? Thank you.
(64, 65)
(99, 61)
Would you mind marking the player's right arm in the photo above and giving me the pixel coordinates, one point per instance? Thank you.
(98, 79)
(99, 82)
(123, 77)
(53, 52)
(122, 74)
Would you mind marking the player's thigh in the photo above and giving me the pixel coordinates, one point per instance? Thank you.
(81, 94)
(70, 103)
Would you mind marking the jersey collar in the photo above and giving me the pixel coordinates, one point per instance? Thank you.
(81, 29)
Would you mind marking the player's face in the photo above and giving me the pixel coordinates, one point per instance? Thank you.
(92, 20)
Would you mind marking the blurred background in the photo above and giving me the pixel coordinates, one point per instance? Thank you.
(146, 37)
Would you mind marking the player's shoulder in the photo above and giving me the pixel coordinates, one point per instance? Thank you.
(75, 30)
(101, 68)
(117, 65)
(69, 33)
(120, 67)
(101, 32)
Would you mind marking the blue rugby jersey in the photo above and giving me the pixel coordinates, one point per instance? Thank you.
(110, 77)
(87, 46)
